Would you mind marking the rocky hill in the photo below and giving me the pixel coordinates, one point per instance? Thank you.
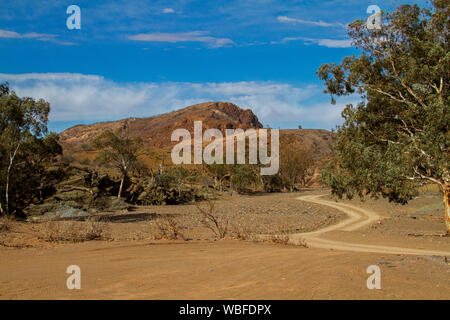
(320, 142)
(156, 131)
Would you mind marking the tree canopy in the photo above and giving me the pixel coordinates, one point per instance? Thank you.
(397, 137)
(122, 152)
(26, 149)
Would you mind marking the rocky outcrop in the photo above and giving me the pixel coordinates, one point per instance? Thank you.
(156, 131)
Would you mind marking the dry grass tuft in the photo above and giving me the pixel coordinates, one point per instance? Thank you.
(168, 228)
(279, 239)
(6, 223)
(73, 231)
(285, 240)
(302, 243)
(241, 231)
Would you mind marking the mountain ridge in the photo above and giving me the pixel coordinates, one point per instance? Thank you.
(156, 130)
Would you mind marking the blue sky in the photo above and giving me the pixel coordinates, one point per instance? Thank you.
(137, 58)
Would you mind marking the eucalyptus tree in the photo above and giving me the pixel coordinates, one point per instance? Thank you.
(26, 149)
(397, 138)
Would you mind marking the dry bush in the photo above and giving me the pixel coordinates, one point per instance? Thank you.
(240, 230)
(282, 237)
(285, 239)
(73, 231)
(302, 243)
(95, 230)
(218, 224)
(279, 238)
(6, 223)
(168, 228)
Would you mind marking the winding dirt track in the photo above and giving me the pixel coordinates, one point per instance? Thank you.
(357, 218)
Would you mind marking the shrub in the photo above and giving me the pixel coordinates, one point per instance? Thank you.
(5, 223)
(163, 189)
(73, 231)
(168, 229)
(243, 177)
(210, 219)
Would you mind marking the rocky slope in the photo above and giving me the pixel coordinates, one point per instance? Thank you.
(156, 131)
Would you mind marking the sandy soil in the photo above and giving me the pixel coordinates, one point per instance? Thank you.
(358, 218)
(203, 268)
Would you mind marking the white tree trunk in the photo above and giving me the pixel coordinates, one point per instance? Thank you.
(121, 187)
(11, 160)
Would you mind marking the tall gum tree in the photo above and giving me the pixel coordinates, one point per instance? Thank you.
(26, 151)
(397, 138)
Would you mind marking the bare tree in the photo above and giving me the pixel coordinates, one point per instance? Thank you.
(212, 221)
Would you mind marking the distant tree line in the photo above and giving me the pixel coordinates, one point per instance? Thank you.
(33, 169)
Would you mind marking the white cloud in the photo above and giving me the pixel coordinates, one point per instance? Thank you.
(78, 97)
(332, 43)
(320, 23)
(329, 43)
(70, 77)
(31, 35)
(64, 43)
(193, 36)
(168, 10)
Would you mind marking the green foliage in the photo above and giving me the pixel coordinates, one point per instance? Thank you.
(397, 138)
(294, 163)
(180, 175)
(243, 177)
(164, 180)
(4, 89)
(273, 183)
(26, 150)
(219, 173)
(163, 189)
(121, 152)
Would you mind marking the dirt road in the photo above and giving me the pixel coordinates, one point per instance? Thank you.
(357, 218)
